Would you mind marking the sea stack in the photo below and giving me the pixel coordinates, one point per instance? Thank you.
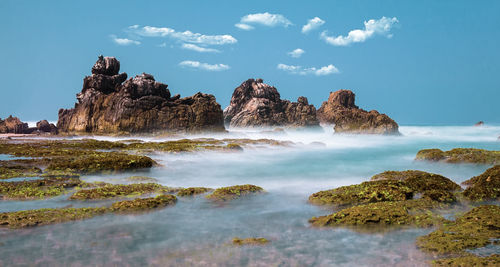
(256, 104)
(341, 110)
(108, 103)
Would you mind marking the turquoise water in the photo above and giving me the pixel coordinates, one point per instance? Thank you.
(197, 232)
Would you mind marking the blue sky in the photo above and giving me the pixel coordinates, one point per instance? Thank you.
(421, 62)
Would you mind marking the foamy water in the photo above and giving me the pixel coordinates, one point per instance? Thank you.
(197, 232)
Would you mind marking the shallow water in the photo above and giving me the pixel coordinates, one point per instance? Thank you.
(197, 232)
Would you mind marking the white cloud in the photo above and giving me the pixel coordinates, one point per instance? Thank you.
(199, 48)
(203, 66)
(325, 70)
(372, 27)
(265, 19)
(124, 41)
(312, 24)
(243, 26)
(186, 36)
(296, 53)
(162, 44)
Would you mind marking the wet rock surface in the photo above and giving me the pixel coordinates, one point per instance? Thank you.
(108, 103)
(341, 110)
(460, 155)
(256, 104)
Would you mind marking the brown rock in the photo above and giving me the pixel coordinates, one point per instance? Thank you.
(13, 125)
(255, 104)
(479, 123)
(107, 104)
(45, 127)
(348, 118)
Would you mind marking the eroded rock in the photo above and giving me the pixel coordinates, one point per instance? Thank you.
(110, 104)
(349, 118)
(256, 104)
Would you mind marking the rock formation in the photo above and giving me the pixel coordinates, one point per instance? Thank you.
(16, 126)
(256, 104)
(110, 104)
(349, 118)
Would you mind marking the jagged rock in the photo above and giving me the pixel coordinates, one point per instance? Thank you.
(45, 127)
(13, 125)
(255, 103)
(108, 103)
(349, 118)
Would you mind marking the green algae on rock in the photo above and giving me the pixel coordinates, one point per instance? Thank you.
(141, 179)
(143, 204)
(366, 192)
(485, 186)
(119, 190)
(419, 181)
(407, 212)
(259, 241)
(476, 228)
(102, 161)
(191, 191)
(233, 192)
(37, 189)
(30, 218)
(469, 260)
(8, 170)
(460, 155)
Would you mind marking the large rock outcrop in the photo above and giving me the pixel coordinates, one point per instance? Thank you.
(349, 118)
(108, 103)
(256, 104)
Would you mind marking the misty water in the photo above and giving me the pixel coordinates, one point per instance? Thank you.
(198, 232)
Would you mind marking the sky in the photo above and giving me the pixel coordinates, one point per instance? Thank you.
(420, 62)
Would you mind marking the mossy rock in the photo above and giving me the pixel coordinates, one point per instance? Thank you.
(234, 147)
(419, 181)
(470, 260)
(119, 190)
(191, 191)
(485, 186)
(141, 179)
(408, 212)
(233, 192)
(143, 204)
(37, 189)
(476, 228)
(254, 241)
(460, 155)
(366, 192)
(30, 218)
(439, 196)
(102, 161)
(8, 170)
(60, 174)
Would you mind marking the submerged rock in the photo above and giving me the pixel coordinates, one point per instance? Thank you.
(109, 104)
(349, 118)
(250, 241)
(256, 104)
(469, 260)
(485, 186)
(119, 190)
(460, 155)
(191, 191)
(233, 192)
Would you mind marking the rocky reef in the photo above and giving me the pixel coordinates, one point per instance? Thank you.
(233, 192)
(256, 104)
(460, 155)
(485, 186)
(349, 118)
(108, 103)
(16, 126)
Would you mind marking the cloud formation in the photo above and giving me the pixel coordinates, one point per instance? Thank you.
(203, 66)
(299, 70)
(185, 36)
(372, 27)
(124, 41)
(265, 19)
(312, 24)
(296, 53)
(200, 49)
